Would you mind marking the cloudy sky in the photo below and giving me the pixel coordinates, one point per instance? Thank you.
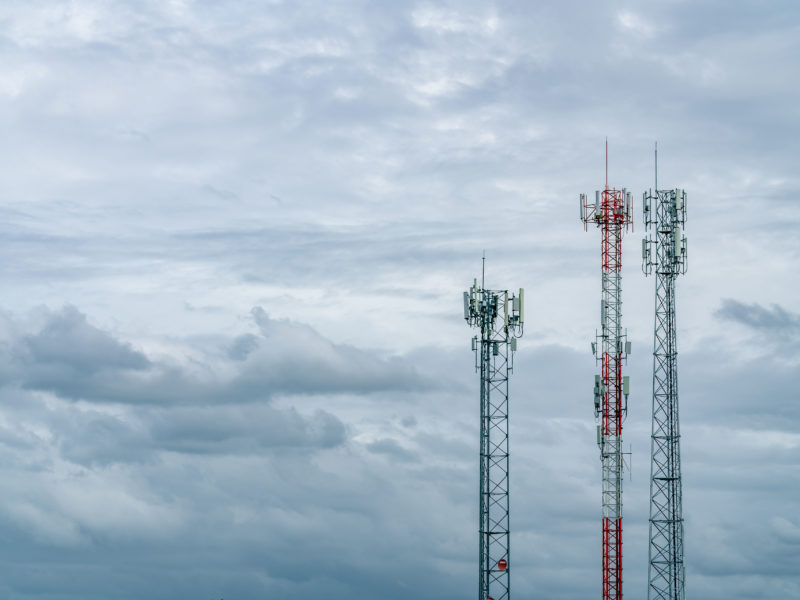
(234, 237)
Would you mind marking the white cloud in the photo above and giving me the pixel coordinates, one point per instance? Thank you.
(635, 23)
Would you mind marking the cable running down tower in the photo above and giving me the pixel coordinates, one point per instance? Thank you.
(611, 213)
(665, 253)
(499, 318)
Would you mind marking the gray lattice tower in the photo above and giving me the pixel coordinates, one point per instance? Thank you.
(499, 318)
(665, 253)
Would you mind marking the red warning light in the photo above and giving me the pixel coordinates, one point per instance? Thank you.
(489, 598)
(502, 564)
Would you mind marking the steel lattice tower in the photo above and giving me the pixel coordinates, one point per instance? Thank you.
(665, 212)
(499, 318)
(611, 213)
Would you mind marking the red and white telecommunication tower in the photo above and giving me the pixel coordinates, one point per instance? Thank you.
(611, 212)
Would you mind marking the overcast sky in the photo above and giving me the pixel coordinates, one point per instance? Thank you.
(234, 237)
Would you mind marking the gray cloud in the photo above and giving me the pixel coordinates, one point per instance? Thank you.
(75, 360)
(390, 448)
(101, 440)
(242, 346)
(67, 340)
(216, 431)
(296, 358)
(775, 320)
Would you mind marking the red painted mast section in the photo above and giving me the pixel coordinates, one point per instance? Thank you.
(612, 401)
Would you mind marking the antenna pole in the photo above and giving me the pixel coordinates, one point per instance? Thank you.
(656, 165)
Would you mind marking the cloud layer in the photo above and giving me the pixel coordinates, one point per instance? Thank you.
(341, 167)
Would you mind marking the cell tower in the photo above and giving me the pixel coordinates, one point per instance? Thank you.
(611, 213)
(500, 318)
(665, 212)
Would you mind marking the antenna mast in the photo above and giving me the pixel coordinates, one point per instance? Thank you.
(611, 213)
(665, 252)
(656, 166)
(500, 319)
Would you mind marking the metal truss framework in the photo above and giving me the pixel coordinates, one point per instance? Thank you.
(665, 212)
(500, 319)
(611, 212)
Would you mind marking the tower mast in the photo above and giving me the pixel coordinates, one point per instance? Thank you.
(500, 319)
(665, 253)
(611, 213)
